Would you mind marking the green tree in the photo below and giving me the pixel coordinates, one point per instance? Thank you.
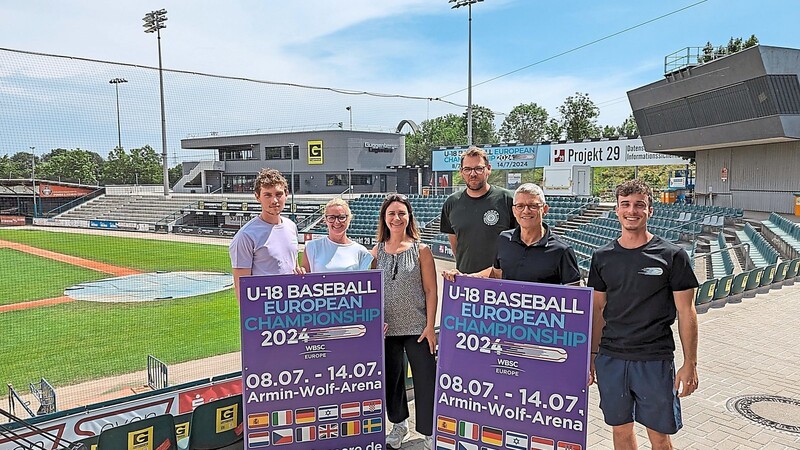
(117, 168)
(23, 163)
(437, 132)
(525, 123)
(147, 166)
(554, 130)
(579, 117)
(175, 174)
(752, 41)
(11, 167)
(734, 45)
(77, 166)
(628, 127)
(483, 131)
(609, 131)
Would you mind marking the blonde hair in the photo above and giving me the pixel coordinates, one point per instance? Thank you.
(338, 202)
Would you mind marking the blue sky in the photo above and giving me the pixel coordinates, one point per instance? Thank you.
(409, 47)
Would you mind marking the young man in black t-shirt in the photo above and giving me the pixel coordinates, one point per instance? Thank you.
(641, 284)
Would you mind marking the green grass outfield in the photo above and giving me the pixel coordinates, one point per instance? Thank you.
(79, 341)
(32, 278)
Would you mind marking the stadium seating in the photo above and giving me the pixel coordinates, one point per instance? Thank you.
(216, 425)
(785, 230)
(154, 432)
(754, 278)
(705, 293)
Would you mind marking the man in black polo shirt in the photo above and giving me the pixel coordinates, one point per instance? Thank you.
(641, 283)
(473, 218)
(530, 252)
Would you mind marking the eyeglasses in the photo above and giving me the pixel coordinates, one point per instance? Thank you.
(521, 207)
(332, 218)
(478, 170)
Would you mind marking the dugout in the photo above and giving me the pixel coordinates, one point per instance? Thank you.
(18, 196)
(737, 116)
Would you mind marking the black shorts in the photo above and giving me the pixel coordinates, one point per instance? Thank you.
(641, 391)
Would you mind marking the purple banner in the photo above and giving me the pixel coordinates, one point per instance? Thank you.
(312, 360)
(513, 365)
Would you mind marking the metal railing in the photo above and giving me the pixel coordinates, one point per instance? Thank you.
(312, 219)
(14, 398)
(157, 373)
(72, 203)
(173, 216)
(686, 57)
(745, 245)
(44, 392)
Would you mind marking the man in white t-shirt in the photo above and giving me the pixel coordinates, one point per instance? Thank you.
(267, 244)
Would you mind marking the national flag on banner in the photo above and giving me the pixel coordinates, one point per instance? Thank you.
(281, 417)
(350, 428)
(305, 415)
(352, 409)
(540, 443)
(372, 425)
(305, 434)
(329, 412)
(282, 437)
(445, 443)
(328, 431)
(568, 446)
(258, 420)
(468, 430)
(516, 441)
(467, 446)
(491, 436)
(258, 439)
(446, 424)
(372, 406)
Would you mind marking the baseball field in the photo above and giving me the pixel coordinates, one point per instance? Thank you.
(47, 334)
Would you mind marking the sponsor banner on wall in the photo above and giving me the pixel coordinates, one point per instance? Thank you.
(87, 423)
(70, 223)
(315, 155)
(12, 220)
(54, 190)
(501, 157)
(609, 153)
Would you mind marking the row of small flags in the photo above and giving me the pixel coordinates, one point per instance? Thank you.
(300, 416)
(492, 436)
(285, 436)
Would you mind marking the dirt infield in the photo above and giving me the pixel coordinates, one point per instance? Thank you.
(74, 260)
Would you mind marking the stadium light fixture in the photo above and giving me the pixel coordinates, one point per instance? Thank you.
(116, 82)
(468, 4)
(350, 110)
(153, 23)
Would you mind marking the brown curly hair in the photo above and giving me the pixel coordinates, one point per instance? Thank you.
(269, 177)
(634, 186)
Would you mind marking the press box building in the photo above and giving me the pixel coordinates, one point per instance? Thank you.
(738, 116)
(325, 161)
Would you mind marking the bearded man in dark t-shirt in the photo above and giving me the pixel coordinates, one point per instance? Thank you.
(642, 283)
(474, 217)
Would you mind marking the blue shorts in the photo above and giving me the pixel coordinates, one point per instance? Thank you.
(641, 391)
